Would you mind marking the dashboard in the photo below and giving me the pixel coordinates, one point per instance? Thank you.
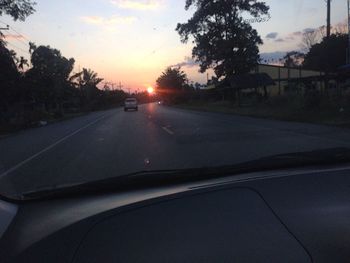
(298, 215)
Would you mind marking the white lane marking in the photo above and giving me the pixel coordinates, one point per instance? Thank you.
(19, 165)
(168, 130)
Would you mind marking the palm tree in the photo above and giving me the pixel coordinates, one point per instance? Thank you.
(32, 47)
(22, 62)
(88, 81)
(90, 78)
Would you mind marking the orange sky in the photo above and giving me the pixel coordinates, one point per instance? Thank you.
(133, 41)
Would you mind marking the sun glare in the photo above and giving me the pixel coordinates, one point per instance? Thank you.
(150, 90)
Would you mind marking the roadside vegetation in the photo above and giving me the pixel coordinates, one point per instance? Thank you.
(288, 108)
(227, 44)
(47, 87)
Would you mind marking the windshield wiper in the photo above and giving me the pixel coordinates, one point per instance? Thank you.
(166, 177)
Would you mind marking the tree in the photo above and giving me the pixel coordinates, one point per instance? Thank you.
(223, 40)
(172, 85)
(172, 79)
(340, 28)
(17, 9)
(293, 59)
(7, 63)
(87, 81)
(311, 38)
(48, 79)
(32, 47)
(9, 76)
(197, 86)
(22, 62)
(90, 78)
(328, 55)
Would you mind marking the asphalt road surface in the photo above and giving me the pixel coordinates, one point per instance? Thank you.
(112, 143)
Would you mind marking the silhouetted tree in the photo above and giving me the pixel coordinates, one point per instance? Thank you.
(293, 59)
(327, 55)
(223, 40)
(172, 79)
(172, 84)
(9, 77)
(48, 79)
(32, 47)
(22, 62)
(17, 9)
(90, 78)
(87, 83)
(311, 38)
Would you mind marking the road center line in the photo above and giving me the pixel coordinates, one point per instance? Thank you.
(19, 165)
(168, 131)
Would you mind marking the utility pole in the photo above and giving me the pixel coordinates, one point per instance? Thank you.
(348, 53)
(120, 86)
(106, 85)
(3, 28)
(112, 84)
(326, 83)
(328, 18)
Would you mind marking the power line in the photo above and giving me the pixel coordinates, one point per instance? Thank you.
(18, 33)
(3, 23)
(21, 49)
(20, 41)
(13, 29)
(5, 28)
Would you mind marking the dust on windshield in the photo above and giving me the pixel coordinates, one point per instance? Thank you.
(216, 83)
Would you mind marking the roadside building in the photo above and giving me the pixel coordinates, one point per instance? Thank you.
(291, 79)
(270, 80)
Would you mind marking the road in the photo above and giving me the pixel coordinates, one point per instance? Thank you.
(113, 143)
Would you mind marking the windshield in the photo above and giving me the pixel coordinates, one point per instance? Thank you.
(218, 83)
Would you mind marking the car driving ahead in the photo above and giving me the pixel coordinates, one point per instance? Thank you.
(131, 104)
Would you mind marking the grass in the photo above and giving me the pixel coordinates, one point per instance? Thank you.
(326, 116)
(7, 129)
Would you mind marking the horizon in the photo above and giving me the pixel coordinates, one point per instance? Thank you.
(133, 41)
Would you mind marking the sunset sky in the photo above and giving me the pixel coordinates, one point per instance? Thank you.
(133, 41)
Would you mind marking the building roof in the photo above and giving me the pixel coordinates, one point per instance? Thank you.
(246, 81)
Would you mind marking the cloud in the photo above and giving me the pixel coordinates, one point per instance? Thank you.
(113, 21)
(188, 62)
(279, 40)
(295, 36)
(137, 4)
(272, 35)
(309, 30)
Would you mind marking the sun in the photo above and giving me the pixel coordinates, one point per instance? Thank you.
(150, 90)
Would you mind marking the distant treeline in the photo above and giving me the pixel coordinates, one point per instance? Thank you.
(46, 88)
